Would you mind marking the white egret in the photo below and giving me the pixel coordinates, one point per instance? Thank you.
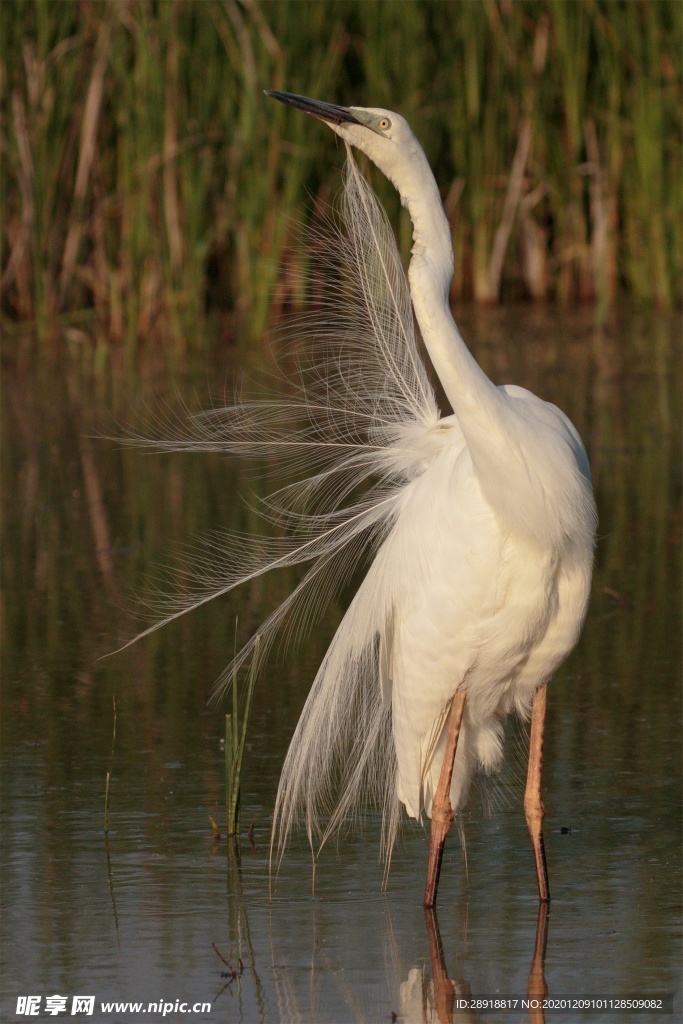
(477, 527)
(480, 586)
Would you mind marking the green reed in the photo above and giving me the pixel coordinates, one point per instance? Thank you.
(111, 768)
(148, 181)
(235, 736)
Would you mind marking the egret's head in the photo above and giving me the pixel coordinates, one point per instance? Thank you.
(386, 138)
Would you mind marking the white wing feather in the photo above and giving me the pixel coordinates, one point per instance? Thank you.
(364, 413)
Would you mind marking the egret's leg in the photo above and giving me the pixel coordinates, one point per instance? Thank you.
(442, 812)
(533, 804)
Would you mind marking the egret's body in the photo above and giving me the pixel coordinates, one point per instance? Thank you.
(479, 605)
(481, 586)
(477, 527)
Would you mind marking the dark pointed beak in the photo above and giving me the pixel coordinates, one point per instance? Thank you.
(329, 112)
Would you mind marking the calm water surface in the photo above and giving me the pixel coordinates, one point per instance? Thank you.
(140, 915)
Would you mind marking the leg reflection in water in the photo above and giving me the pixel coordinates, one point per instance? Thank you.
(537, 987)
(438, 1001)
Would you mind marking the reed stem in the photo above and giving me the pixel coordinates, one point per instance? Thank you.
(111, 766)
(235, 736)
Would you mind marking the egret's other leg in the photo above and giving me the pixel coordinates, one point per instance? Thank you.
(442, 812)
(533, 804)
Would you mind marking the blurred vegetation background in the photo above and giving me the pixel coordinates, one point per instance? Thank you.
(147, 182)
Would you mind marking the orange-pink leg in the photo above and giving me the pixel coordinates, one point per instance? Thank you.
(442, 812)
(533, 804)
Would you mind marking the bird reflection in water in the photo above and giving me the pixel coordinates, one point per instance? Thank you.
(306, 981)
(443, 1000)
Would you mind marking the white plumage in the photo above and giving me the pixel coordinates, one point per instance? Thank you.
(477, 528)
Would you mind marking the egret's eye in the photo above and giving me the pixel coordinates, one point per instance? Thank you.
(384, 123)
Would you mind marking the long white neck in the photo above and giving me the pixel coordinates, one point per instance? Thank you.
(528, 465)
(430, 274)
